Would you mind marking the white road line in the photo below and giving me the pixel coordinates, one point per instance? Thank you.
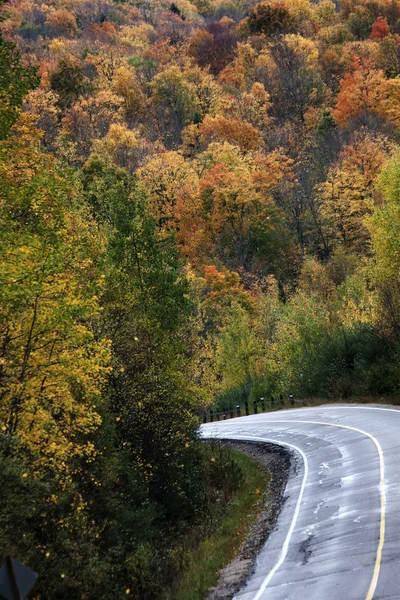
(285, 546)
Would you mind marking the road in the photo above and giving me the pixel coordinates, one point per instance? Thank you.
(338, 535)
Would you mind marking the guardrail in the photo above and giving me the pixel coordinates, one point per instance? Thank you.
(251, 408)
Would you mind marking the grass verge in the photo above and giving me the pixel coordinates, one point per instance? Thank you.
(231, 526)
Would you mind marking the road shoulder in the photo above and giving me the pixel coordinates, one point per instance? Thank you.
(277, 461)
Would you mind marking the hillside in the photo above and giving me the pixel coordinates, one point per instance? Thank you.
(200, 204)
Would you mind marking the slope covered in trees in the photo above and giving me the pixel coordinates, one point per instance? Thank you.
(199, 204)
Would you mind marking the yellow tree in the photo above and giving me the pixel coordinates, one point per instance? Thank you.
(347, 196)
(90, 118)
(242, 220)
(163, 177)
(384, 228)
(122, 146)
(52, 366)
(125, 84)
(344, 203)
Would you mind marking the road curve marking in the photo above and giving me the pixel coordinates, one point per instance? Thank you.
(285, 546)
(286, 543)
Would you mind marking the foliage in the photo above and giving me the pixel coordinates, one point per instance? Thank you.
(204, 561)
(199, 205)
(15, 82)
(270, 18)
(380, 29)
(52, 366)
(383, 226)
(67, 81)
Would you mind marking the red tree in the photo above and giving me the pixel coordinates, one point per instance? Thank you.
(380, 29)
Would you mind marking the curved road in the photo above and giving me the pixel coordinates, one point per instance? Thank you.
(338, 535)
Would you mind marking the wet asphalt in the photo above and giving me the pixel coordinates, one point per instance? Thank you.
(338, 534)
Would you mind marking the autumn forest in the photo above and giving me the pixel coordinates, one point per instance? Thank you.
(199, 205)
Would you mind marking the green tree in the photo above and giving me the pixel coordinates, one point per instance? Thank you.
(15, 82)
(384, 228)
(145, 307)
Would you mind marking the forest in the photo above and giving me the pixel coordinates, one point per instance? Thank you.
(199, 205)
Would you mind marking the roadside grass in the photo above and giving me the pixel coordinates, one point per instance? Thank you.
(204, 561)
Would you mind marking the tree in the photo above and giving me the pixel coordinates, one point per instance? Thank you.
(327, 124)
(360, 22)
(297, 84)
(215, 46)
(52, 365)
(270, 18)
(61, 22)
(145, 307)
(301, 334)
(237, 350)
(15, 83)
(234, 131)
(347, 196)
(380, 29)
(163, 177)
(90, 118)
(126, 85)
(68, 81)
(384, 228)
(44, 105)
(122, 146)
(243, 222)
(343, 206)
(389, 56)
(361, 91)
(174, 97)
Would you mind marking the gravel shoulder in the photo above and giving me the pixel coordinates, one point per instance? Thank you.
(277, 461)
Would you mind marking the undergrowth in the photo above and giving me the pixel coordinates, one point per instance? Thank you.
(236, 484)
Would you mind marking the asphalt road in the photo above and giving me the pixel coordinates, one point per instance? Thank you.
(338, 535)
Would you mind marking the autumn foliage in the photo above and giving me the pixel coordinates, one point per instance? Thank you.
(380, 29)
(199, 203)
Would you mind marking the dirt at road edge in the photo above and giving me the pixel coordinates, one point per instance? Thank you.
(277, 461)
